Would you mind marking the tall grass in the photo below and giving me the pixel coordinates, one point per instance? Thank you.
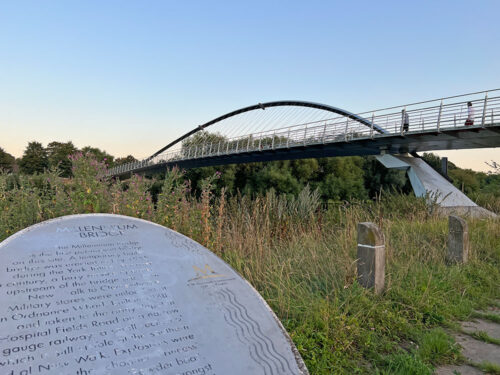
(301, 256)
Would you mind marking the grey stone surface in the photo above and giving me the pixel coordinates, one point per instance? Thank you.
(478, 351)
(474, 212)
(108, 294)
(494, 309)
(371, 257)
(458, 240)
(478, 325)
(455, 370)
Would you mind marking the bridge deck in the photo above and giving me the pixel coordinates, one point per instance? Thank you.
(464, 137)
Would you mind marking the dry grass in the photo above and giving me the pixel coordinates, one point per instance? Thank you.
(301, 256)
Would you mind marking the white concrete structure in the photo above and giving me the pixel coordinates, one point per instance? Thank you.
(428, 183)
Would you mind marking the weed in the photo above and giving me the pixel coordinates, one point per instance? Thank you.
(436, 346)
(488, 316)
(405, 364)
(489, 368)
(483, 336)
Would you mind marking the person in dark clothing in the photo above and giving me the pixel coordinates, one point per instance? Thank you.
(406, 120)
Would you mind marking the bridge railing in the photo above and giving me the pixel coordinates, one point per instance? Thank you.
(426, 116)
(442, 116)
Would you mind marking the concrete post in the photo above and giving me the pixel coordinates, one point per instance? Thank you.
(371, 257)
(458, 240)
(444, 167)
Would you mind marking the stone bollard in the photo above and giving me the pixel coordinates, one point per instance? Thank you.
(371, 257)
(458, 240)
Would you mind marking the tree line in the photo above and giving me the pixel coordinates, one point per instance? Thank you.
(337, 178)
(36, 158)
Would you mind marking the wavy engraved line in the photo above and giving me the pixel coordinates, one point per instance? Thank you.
(252, 354)
(259, 334)
(249, 326)
(240, 324)
(267, 341)
(264, 337)
(260, 360)
(238, 327)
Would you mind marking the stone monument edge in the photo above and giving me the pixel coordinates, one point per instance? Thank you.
(298, 358)
(50, 221)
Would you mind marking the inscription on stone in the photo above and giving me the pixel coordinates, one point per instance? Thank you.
(108, 294)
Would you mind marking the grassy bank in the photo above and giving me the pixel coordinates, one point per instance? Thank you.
(301, 256)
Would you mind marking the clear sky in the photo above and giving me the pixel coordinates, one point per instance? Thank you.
(129, 76)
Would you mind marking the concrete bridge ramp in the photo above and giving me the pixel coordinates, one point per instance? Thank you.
(428, 183)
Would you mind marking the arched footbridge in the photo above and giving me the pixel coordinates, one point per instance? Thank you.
(285, 130)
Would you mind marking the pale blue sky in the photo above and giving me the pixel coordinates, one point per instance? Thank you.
(128, 76)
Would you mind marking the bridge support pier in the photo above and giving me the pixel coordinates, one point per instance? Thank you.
(428, 183)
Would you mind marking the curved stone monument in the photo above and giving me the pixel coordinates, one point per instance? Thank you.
(108, 294)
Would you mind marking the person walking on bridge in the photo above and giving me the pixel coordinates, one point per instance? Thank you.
(406, 120)
(470, 115)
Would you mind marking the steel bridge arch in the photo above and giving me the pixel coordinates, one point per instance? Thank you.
(280, 103)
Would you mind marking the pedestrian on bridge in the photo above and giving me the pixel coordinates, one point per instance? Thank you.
(470, 115)
(406, 120)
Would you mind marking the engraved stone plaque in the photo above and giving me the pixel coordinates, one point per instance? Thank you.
(108, 294)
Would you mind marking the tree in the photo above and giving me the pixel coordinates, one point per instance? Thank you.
(495, 166)
(202, 142)
(7, 161)
(100, 155)
(58, 154)
(125, 160)
(343, 178)
(276, 175)
(226, 180)
(35, 159)
(467, 180)
(377, 178)
(435, 162)
(305, 169)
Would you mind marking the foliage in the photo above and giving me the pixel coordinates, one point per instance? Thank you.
(59, 156)
(405, 364)
(435, 162)
(466, 180)
(7, 161)
(35, 159)
(56, 156)
(489, 368)
(301, 256)
(495, 166)
(336, 179)
(437, 346)
(201, 138)
(125, 160)
(100, 155)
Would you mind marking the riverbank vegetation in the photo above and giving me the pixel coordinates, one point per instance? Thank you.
(299, 251)
(335, 179)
